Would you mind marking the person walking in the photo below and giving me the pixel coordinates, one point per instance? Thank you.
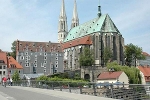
(4, 80)
(11, 81)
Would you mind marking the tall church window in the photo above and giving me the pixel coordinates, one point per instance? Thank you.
(97, 46)
(114, 48)
(64, 26)
(108, 41)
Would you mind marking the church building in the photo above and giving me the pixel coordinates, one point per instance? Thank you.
(96, 34)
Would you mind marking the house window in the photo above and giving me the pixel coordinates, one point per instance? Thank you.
(26, 61)
(56, 66)
(56, 58)
(56, 62)
(45, 58)
(10, 71)
(55, 71)
(26, 53)
(21, 57)
(19, 71)
(13, 65)
(45, 54)
(0, 72)
(35, 56)
(44, 70)
(0, 67)
(44, 66)
(4, 67)
(35, 61)
(45, 62)
(35, 65)
(3, 72)
(56, 54)
(27, 64)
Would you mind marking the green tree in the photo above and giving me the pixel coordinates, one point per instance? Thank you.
(107, 55)
(13, 48)
(132, 72)
(86, 57)
(16, 76)
(133, 53)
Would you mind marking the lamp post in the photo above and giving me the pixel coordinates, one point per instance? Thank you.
(93, 67)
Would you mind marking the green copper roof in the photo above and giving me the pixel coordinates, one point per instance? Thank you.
(102, 23)
(109, 26)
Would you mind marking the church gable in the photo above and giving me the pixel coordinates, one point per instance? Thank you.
(109, 26)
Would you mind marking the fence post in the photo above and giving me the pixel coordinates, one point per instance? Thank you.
(52, 86)
(111, 87)
(94, 89)
(80, 89)
(69, 87)
(60, 86)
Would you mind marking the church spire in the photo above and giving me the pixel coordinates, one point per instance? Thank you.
(75, 19)
(62, 24)
(99, 10)
(63, 12)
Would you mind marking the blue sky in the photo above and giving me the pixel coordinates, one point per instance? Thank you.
(37, 20)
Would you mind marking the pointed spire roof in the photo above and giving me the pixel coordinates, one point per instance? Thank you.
(109, 26)
(63, 12)
(99, 10)
(75, 13)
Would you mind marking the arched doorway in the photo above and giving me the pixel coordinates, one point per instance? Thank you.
(87, 77)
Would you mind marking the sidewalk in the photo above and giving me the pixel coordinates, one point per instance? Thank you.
(3, 98)
(70, 96)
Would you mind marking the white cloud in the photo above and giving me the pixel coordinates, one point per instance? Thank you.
(134, 16)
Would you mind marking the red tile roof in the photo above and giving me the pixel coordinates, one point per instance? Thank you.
(84, 40)
(109, 75)
(145, 54)
(145, 70)
(3, 57)
(12, 61)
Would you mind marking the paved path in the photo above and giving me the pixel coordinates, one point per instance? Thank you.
(27, 93)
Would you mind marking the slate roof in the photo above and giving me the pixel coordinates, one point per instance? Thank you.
(109, 75)
(102, 23)
(37, 46)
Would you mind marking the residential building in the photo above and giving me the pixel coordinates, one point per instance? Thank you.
(13, 65)
(96, 34)
(144, 62)
(145, 77)
(145, 74)
(8, 65)
(39, 57)
(113, 77)
(3, 65)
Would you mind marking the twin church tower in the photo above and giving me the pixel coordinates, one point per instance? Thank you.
(62, 25)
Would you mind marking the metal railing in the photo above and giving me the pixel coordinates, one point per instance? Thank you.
(117, 91)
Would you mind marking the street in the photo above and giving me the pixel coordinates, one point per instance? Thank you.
(18, 94)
